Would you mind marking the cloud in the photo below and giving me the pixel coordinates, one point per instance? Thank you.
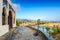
(16, 7)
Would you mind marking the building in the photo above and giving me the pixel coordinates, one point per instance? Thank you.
(7, 16)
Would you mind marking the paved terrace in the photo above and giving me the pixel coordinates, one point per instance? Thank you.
(21, 33)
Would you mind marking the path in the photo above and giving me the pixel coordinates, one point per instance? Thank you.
(22, 33)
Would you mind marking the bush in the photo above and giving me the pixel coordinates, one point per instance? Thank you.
(57, 37)
(18, 22)
(47, 28)
(56, 30)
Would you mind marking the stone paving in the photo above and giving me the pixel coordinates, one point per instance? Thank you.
(21, 33)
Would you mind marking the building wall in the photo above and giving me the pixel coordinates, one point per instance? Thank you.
(5, 28)
(1, 12)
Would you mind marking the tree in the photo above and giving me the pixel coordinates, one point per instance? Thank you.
(17, 22)
(38, 23)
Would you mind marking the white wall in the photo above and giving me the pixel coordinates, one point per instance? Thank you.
(14, 25)
(1, 12)
(3, 29)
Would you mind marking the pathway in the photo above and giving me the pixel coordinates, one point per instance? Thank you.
(22, 33)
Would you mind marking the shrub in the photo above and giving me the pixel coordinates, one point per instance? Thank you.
(47, 28)
(56, 30)
(18, 22)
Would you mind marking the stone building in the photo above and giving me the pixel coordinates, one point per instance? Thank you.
(7, 16)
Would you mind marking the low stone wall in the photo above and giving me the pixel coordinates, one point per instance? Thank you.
(4, 29)
(45, 38)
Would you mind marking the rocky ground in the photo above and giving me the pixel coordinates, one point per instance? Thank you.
(21, 33)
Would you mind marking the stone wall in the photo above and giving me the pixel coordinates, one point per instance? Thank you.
(3, 29)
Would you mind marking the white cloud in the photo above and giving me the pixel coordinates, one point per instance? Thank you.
(16, 7)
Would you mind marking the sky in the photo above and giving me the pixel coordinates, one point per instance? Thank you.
(37, 9)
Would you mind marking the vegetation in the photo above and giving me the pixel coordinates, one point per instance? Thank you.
(38, 23)
(47, 28)
(56, 30)
(57, 37)
(43, 22)
(56, 33)
(18, 22)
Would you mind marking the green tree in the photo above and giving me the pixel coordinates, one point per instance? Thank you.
(38, 23)
(17, 22)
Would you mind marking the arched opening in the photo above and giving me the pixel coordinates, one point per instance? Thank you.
(10, 20)
(14, 18)
(3, 16)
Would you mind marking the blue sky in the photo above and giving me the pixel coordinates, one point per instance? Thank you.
(37, 9)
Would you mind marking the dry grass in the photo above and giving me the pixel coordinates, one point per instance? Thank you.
(51, 24)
